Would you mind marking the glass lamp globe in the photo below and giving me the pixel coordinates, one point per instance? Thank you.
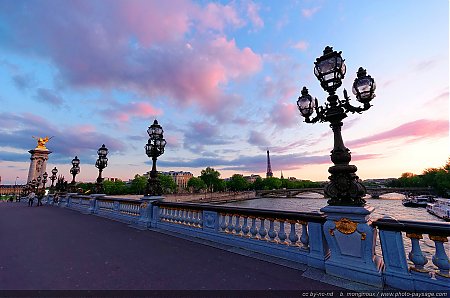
(305, 103)
(330, 69)
(364, 86)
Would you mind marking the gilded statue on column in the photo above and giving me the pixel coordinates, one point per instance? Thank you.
(41, 142)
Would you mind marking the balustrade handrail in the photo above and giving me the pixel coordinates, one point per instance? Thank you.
(304, 216)
(410, 226)
(110, 199)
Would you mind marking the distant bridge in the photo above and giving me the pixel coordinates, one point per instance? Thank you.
(374, 192)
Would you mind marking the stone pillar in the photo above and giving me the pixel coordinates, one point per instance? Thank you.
(351, 240)
(38, 164)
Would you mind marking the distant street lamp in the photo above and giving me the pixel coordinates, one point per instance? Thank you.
(344, 188)
(44, 180)
(100, 164)
(153, 149)
(15, 187)
(75, 168)
(33, 184)
(38, 182)
(53, 177)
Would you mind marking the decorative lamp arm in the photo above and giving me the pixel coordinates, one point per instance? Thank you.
(319, 114)
(349, 108)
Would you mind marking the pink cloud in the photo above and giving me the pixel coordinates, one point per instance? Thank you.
(123, 112)
(285, 115)
(141, 16)
(253, 14)
(173, 142)
(301, 45)
(413, 131)
(139, 45)
(217, 16)
(309, 12)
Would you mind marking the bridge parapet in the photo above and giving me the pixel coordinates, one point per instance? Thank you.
(299, 237)
(397, 272)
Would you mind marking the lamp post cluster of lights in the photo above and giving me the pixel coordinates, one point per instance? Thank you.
(100, 164)
(53, 178)
(344, 188)
(75, 170)
(154, 148)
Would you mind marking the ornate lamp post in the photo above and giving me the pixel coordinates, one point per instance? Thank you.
(53, 177)
(38, 182)
(344, 188)
(75, 168)
(349, 235)
(153, 149)
(44, 180)
(100, 164)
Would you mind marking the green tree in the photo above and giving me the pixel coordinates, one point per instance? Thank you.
(258, 184)
(167, 183)
(237, 183)
(114, 187)
(211, 179)
(196, 184)
(272, 183)
(138, 184)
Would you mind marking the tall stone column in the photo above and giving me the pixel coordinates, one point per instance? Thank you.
(38, 164)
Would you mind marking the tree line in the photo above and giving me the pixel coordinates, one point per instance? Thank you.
(436, 178)
(208, 181)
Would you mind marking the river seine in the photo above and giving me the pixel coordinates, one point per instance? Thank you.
(387, 205)
(390, 205)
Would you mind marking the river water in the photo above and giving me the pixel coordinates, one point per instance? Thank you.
(389, 204)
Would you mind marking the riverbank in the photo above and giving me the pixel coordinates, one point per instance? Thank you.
(216, 198)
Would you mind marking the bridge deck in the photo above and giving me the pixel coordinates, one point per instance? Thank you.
(54, 248)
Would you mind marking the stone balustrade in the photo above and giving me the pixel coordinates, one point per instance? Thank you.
(309, 238)
(398, 273)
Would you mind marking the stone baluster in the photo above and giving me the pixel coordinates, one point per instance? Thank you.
(281, 233)
(440, 258)
(293, 237)
(237, 225)
(178, 218)
(190, 217)
(171, 215)
(415, 255)
(223, 225)
(245, 227)
(182, 216)
(199, 218)
(253, 229)
(305, 237)
(230, 224)
(262, 230)
(272, 234)
(196, 218)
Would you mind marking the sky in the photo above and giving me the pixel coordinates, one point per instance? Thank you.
(222, 78)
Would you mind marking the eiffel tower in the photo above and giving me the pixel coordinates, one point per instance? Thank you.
(269, 168)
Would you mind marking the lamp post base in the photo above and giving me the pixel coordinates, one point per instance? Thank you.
(352, 243)
(153, 187)
(344, 189)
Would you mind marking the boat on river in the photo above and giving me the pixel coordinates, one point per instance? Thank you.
(440, 208)
(417, 201)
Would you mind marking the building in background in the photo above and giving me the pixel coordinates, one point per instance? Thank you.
(181, 178)
(252, 178)
(112, 179)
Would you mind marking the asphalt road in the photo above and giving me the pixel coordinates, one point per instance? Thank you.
(49, 248)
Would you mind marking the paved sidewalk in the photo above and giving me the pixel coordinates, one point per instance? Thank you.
(55, 248)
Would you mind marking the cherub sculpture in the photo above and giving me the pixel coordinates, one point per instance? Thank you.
(41, 142)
